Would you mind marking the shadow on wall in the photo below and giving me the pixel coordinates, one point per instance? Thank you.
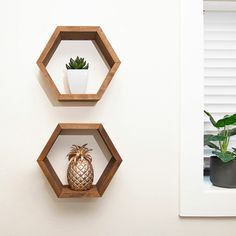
(61, 204)
(68, 204)
(83, 206)
(51, 97)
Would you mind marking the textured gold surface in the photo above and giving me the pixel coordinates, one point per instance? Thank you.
(80, 173)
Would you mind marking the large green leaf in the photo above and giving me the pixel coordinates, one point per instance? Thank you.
(211, 118)
(227, 120)
(229, 116)
(212, 138)
(232, 132)
(225, 157)
(212, 145)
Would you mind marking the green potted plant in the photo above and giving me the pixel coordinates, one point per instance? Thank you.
(223, 161)
(77, 75)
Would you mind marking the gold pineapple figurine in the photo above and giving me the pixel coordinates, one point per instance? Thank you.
(80, 170)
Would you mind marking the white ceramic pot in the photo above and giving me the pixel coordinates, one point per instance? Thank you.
(77, 80)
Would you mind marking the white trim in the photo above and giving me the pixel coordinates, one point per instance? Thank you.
(191, 177)
(196, 199)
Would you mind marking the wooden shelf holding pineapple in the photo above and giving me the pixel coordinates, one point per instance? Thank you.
(102, 45)
(64, 191)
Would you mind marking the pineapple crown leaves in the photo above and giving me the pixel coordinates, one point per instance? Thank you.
(79, 152)
(77, 63)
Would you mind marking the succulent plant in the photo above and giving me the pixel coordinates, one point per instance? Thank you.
(77, 63)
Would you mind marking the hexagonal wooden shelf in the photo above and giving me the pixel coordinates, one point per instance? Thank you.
(93, 33)
(63, 191)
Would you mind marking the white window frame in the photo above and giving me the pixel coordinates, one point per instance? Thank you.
(195, 198)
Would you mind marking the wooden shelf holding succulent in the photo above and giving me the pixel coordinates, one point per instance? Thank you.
(92, 33)
(64, 191)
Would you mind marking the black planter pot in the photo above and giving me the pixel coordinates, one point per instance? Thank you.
(223, 174)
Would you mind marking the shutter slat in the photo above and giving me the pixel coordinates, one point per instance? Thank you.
(219, 17)
(217, 35)
(212, 26)
(220, 44)
(220, 90)
(220, 53)
(219, 62)
(215, 99)
(220, 71)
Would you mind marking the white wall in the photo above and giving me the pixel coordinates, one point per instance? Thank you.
(140, 111)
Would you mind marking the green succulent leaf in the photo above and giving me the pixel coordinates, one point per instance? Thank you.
(83, 64)
(71, 65)
(71, 60)
(80, 66)
(77, 59)
(75, 65)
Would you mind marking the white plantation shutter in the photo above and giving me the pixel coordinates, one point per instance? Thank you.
(219, 67)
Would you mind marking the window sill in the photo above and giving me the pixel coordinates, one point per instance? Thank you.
(208, 186)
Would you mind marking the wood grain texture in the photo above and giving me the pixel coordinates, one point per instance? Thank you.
(66, 192)
(106, 48)
(50, 143)
(51, 176)
(109, 143)
(93, 33)
(79, 126)
(78, 97)
(108, 79)
(107, 175)
(113, 164)
(63, 191)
